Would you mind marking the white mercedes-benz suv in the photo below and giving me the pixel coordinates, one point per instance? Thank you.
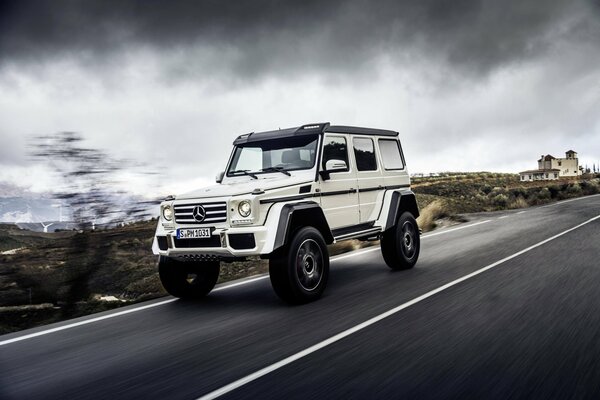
(285, 195)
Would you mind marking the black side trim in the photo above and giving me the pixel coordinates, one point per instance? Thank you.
(352, 229)
(398, 186)
(286, 198)
(361, 190)
(337, 192)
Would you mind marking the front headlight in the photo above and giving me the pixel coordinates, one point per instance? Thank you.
(244, 208)
(167, 213)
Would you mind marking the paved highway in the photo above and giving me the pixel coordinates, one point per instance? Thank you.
(504, 306)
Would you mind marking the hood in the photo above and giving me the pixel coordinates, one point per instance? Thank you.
(244, 186)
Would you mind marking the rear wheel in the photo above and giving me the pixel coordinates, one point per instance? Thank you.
(188, 280)
(299, 271)
(401, 244)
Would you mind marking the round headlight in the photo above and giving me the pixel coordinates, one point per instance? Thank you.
(167, 213)
(244, 208)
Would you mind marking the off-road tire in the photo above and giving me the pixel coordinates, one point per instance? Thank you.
(401, 244)
(188, 280)
(300, 270)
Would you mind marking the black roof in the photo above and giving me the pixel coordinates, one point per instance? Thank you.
(360, 131)
(310, 129)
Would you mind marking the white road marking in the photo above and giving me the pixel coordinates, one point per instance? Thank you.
(119, 313)
(521, 212)
(288, 360)
(354, 253)
(455, 229)
(242, 282)
(85, 322)
(504, 216)
(568, 201)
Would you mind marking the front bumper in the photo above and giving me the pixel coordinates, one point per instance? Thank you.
(225, 243)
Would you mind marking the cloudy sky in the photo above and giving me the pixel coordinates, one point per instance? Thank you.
(470, 85)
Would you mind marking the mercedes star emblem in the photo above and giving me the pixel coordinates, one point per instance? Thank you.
(199, 213)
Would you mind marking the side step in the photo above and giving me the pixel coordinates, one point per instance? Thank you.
(367, 233)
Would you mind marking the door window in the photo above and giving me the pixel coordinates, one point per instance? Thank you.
(364, 152)
(335, 148)
(390, 154)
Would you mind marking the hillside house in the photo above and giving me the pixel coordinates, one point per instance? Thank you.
(551, 168)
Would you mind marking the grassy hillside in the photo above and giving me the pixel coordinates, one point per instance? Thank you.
(451, 195)
(62, 275)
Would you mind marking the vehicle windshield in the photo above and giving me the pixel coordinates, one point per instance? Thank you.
(274, 155)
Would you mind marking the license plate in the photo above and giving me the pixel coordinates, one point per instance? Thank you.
(196, 233)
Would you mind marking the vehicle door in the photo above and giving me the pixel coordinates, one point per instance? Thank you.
(337, 183)
(369, 179)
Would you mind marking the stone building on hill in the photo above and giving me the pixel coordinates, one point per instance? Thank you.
(551, 168)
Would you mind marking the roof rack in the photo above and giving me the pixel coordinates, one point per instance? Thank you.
(310, 129)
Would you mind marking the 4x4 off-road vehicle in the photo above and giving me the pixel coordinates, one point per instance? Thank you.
(285, 195)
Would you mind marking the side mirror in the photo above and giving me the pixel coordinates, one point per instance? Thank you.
(220, 176)
(333, 166)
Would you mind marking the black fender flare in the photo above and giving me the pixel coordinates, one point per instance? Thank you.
(296, 215)
(401, 201)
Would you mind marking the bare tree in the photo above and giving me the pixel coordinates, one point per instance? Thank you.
(88, 181)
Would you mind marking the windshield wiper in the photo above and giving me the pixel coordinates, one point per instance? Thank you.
(276, 169)
(245, 172)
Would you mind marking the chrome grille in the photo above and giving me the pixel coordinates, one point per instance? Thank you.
(215, 212)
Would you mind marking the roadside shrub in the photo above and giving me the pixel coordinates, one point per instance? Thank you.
(518, 202)
(589, 187)
(498, 190)
(519, 192)
(554, 191)
(432, 212)
(544, 194)
(574, 189)
(500, 201)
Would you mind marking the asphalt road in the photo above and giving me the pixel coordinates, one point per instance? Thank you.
(504, 306)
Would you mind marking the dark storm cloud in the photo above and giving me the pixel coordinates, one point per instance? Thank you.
(264, 37)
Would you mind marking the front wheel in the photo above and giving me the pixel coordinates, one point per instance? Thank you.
(401, 244)
(299, 272)
(188, 280)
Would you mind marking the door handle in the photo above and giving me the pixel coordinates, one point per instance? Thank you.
(352, 190)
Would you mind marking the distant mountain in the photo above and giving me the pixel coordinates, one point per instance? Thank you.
(23, 207)
(29, 209)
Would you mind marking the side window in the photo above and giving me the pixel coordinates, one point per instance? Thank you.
(335, 148)
(390, 154)
(364, 152)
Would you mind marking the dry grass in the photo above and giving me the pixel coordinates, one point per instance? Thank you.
(432, 212)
